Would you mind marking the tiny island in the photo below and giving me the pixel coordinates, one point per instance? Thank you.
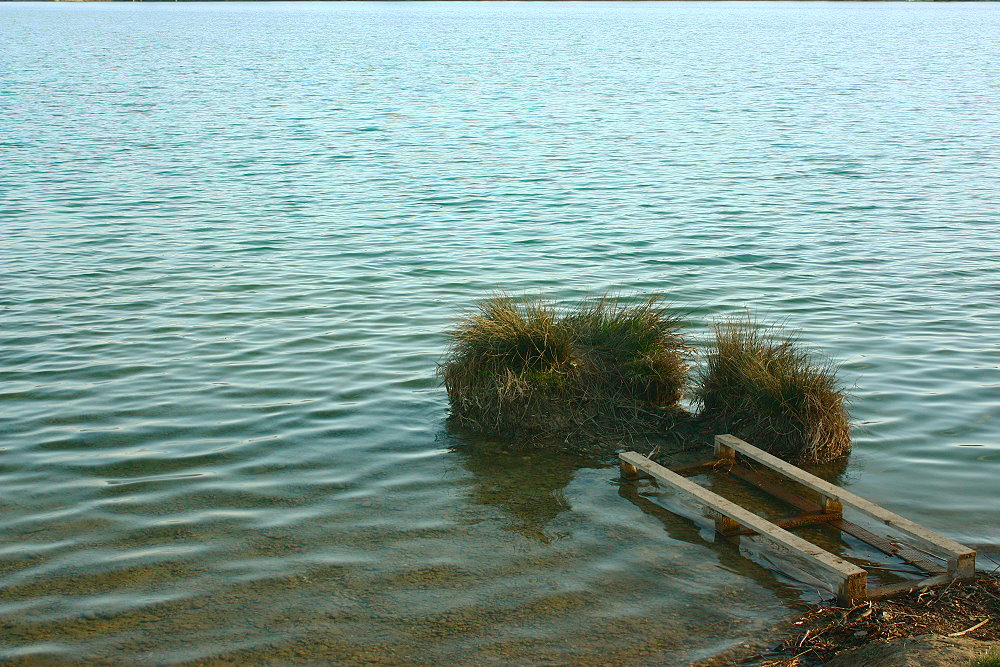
(613, 371)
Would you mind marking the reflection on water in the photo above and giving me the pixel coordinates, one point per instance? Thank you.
(527, 485)
(685, 522)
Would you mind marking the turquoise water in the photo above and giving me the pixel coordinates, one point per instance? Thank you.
(234, 234)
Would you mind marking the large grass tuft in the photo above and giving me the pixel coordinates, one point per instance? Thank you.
(526, 369)
(763, 387)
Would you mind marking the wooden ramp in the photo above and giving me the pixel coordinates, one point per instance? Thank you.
(938, 558)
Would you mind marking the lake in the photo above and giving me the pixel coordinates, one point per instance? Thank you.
(235, 234)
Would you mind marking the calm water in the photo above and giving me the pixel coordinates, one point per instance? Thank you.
(234, 234)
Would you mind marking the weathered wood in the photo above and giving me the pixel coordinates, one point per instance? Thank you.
(903, 551)
(909, 554)
(879, 592)
(961, 559)
(727, 526)
(629, 471)
(723, 452)
(840, 576)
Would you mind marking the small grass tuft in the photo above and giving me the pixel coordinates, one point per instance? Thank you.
(760, 385)
(991, 659)
(525, 368)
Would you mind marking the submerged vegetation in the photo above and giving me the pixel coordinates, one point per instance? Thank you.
(614, 369)
(760, 385)
(524, 368)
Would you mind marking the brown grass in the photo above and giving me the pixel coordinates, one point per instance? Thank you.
(762, 386)
(524, 368)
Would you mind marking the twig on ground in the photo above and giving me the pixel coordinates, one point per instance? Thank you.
(943, 593)
(968, 630)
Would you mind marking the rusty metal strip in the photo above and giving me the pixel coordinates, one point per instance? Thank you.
(705, 466)
(797, 521)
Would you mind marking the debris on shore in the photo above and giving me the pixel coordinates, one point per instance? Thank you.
(950, 625)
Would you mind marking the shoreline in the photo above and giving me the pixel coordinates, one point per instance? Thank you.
(951, 625)
(550, 1)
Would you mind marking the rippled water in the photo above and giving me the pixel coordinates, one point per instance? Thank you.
(234, 234)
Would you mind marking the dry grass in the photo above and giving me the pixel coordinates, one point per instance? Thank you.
(614, 369)
(524, 368)
(763, 387)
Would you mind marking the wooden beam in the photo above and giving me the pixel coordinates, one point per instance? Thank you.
(629, 472)
(768, 485)
(879, 592)
(845, 579)
(907, 553)
(961, 559)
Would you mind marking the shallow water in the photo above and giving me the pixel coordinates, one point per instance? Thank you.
(234, 235)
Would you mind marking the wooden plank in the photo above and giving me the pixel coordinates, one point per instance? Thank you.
(903, 551)
(961, 559)
(908, 554)
(850, 580)
(879, 592)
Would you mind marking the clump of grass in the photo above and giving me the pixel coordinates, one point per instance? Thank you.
(991, 659)
(525, 368)
(765, 388)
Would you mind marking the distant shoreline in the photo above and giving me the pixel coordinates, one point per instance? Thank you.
(550, 1)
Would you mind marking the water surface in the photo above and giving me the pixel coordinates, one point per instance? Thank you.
(234, 234)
